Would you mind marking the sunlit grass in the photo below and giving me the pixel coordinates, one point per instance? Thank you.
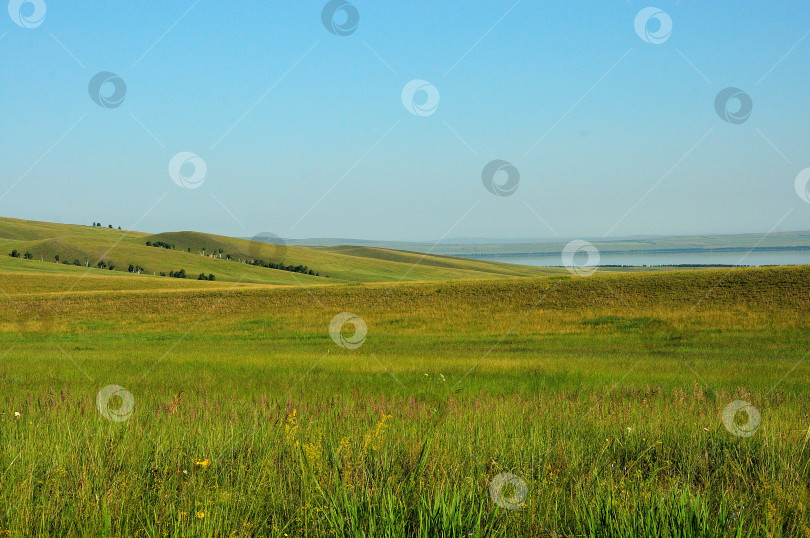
(604, 394)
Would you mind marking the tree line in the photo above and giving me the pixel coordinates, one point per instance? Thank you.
(58, 259)
(161, 244)
(134, 268)
(101, 264)
(303, 269)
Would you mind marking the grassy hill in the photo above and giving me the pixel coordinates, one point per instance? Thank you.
(82, 247)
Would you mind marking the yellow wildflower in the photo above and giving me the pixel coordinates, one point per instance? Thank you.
(291, 428)
(372, 440)
(313, 454)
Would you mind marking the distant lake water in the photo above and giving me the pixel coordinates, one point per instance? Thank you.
(756, 258)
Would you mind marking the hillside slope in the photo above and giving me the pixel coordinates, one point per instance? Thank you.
(81, 248)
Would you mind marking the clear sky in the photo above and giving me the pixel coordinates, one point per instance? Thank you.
(304, 132)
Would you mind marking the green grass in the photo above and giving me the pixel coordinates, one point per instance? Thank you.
(603, 394)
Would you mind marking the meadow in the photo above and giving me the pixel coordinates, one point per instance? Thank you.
(504, 405)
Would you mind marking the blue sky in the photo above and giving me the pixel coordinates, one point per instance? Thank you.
(304, 132)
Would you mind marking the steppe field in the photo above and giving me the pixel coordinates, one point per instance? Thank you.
(458, 397)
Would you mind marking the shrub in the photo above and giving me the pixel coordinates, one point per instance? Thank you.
(303, 269)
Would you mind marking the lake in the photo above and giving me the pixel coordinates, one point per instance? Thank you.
(756, 258)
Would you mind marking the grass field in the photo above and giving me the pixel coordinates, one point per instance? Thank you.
(492, 406)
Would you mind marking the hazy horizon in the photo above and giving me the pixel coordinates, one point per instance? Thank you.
(447, 240)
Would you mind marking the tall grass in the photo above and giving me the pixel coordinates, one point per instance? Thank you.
(629, 464)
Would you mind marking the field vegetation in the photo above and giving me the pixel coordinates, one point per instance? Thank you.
(498, 406)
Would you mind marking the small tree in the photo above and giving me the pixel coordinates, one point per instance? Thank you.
(28, 255)
(15, 253)
(101, 264)
(211, 277)
(109, 226)
(202, 277)
(77, 263)
(56, 257)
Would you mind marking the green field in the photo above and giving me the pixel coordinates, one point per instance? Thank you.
(602, 396)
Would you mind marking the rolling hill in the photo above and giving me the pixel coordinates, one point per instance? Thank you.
(80, 249)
